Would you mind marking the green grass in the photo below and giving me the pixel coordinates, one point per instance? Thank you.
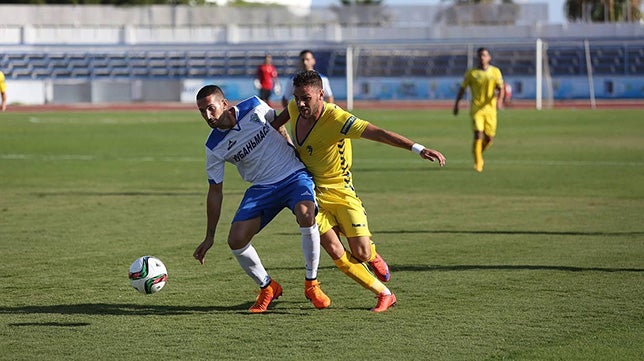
(540, 257)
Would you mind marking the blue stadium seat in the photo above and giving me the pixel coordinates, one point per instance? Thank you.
(564, 60)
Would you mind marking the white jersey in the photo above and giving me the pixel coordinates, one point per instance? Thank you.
(287, 92)
(260, 153)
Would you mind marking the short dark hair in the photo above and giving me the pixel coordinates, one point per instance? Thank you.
(306, 51)
(209, 90)
(308, 78)
(482, 49)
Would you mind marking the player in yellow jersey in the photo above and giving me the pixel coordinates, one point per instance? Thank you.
(486, 86)
(3, 91)
(322, 134)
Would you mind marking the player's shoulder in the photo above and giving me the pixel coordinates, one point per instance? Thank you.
(247, 105)
(333, 113)
(214, 138)
(469, 72)
(333, 110)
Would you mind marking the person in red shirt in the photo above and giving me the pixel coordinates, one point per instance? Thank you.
(266, 79)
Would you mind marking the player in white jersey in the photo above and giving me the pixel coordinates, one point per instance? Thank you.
(242, 135)
(307, 61)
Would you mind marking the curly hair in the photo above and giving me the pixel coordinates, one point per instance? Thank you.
(308, 78)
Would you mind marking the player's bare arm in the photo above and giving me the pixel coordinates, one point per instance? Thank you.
(213, 212)
(279, 124)
(459, 96)
(500, 96)
(281, 119)
(377, 134)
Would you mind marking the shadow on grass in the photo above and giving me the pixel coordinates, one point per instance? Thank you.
(122, 309)
(50, 324)
(122, 194)
(430, 268)
(538, 233)
(546, 233)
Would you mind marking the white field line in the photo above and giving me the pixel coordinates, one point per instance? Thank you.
(356, 162)
(563, 163)
(82, 157)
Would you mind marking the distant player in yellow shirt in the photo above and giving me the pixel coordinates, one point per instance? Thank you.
(3, 91)
(322, 134)
(486, 85)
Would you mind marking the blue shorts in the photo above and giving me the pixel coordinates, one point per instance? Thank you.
(266, 201)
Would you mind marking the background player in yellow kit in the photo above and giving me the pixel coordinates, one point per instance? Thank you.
(322, 135)
(3, 92)
(486, 86)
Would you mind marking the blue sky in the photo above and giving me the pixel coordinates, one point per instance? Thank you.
(555, 7)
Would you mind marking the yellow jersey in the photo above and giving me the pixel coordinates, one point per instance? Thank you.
(326, 149)
(3, 85)
(482, 84)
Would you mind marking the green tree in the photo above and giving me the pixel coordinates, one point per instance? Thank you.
(603, 10)
(108, 2)
(361, 2)
(471, 2)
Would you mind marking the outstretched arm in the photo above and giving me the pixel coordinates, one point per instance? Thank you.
(279, 125)
(213, 211)
(377, 134)
(281, 119)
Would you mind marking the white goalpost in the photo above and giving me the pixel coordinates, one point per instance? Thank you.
(538, 74)
(589, 67)
(543, 79)
(349, 71)
(536, 53)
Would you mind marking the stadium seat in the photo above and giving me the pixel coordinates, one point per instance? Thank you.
(563, 60)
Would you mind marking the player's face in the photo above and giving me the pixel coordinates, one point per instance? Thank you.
(308, 61)
(214, 110)
(484, 59)
(309, 100)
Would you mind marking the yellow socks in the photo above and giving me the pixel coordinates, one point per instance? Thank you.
(373, 251)
(359, 272)
(477, 149)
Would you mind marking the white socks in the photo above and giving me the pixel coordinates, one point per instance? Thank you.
(251, 264)
(249, 261)
(311, 250)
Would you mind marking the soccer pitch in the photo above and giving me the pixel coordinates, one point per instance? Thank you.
(540, 257)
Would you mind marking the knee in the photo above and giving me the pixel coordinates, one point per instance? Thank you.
(332, 245)
(362, 255)
(236, 243)
(361, 248)
(305, 214)
(305, 220)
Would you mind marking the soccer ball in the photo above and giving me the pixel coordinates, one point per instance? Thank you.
(148, 274)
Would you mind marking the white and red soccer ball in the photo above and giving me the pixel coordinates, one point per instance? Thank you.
(148, 274)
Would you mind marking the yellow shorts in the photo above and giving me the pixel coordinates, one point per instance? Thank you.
(341, 207)
(485, 121)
